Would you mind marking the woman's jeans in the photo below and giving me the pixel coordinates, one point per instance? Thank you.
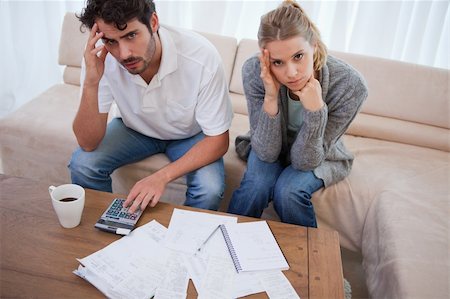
(290, 190)
(122, 145)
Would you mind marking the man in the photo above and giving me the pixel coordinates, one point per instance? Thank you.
(171, 91)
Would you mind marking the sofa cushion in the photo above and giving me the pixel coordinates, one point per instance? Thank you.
(400, 106)
(391, 129)
(72, 41)
(72, 75)
(246, 49)
(226, 46)
(407, 91)
(37, 139)
(406, 236)
(379, 166)
(239, 104)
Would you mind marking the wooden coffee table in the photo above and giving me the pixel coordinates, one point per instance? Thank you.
(38, 255)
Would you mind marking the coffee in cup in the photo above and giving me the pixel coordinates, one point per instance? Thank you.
(68, 202)
(67, 199)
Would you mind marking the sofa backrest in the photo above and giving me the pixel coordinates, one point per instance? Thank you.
(71, 48)
(73, 41)
(407, 103)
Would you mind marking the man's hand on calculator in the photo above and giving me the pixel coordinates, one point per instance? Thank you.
(148, 190)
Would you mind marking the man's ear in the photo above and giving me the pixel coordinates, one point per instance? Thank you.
(154, 22)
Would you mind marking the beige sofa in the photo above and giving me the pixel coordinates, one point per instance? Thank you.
(393, 208)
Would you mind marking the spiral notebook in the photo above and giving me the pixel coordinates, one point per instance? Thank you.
(253, 247)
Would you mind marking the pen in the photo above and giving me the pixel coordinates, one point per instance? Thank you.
(207, 239)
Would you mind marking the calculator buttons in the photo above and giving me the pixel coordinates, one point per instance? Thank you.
(121, 214)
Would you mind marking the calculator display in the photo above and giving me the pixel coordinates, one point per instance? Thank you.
(117, 219)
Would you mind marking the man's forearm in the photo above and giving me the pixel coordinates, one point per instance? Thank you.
(89, 125)
(206, 151)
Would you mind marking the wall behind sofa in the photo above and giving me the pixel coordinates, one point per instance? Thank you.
(413, 31)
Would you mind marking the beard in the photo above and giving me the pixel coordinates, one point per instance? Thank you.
(146, 59)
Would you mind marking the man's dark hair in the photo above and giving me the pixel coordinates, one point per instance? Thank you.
(117, 12)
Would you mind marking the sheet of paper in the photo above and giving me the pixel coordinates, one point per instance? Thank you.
(196, 266)
(165, 272)
(131, 267)
(154, 230)
(148, 273)
(188, 230)
(219, 279)
(247, 283)
(277, 285)
(118, 260)
(95, 280)
(165, 294)
(255, 247)
(176, 278)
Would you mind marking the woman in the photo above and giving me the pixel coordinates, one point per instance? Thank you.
(300, 102)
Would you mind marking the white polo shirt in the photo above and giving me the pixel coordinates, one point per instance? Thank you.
(189, 94)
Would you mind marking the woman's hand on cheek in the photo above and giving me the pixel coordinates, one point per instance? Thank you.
(271, 84)
(311, 95)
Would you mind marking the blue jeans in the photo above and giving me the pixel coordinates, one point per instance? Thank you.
(290, 190)
(122, 145)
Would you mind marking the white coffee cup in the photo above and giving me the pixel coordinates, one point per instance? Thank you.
(68, 202)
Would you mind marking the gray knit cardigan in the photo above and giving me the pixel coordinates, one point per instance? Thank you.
(318, 145)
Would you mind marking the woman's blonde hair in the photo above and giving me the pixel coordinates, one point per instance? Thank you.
(289, 20)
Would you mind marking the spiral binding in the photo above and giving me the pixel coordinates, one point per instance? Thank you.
(230, 247)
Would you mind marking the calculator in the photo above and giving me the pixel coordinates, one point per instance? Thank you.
(117, 220)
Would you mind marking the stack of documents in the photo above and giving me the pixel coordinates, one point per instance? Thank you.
(155, 261)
